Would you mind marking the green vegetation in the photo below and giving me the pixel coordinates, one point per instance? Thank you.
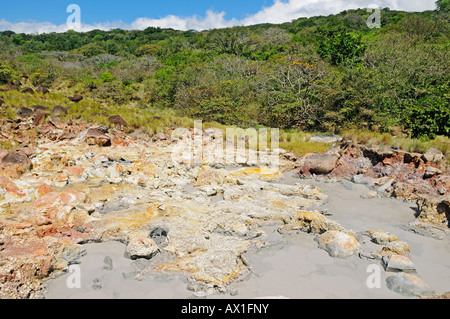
(322, 74)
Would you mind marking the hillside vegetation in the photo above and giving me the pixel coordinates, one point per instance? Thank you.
(322, 74)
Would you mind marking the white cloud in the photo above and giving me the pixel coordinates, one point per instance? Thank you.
(280, 11)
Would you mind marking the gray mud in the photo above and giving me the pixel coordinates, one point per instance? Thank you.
(292, 267)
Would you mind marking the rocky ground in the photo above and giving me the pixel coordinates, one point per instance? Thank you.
(74, 185)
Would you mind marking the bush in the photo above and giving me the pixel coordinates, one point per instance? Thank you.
(7, 74)
(339, 46)
(42, 77)
(107, 77)
(430, 118)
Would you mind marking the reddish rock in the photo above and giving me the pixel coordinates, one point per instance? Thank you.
(72, 197)
(40, 220)
(10, 187)
(117, 141)
(23, 225)
(39, 118)
(319, 164)
(96, 137)
(43, 190)
(74, 171)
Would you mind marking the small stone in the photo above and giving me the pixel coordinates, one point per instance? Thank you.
(97, 284)
(108, 264)
(370, 195)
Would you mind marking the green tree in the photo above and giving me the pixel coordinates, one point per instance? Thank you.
(339, 46)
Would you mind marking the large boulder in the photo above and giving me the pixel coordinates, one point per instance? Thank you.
(320, 164)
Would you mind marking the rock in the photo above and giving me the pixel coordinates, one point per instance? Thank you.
(141, 247)
(17, 163)
(159, 235)
(433, 155)
(97, 284)
(76, 98)
(41, 108)
(59, 110)
(42, 90)
(39, 118)
(96, 137)
(442, 190)
(361, 179)
(113, 174)
(383, 188)
(28, 91)
(25, 112)
(370, 195)
(338, 244)
(117, 120)
(397, 263)
(431, 171)
(443, 296)
(107, 264)
(434, 210)
(313, 222)
(395, 247)
(381, 237)
(320, 163)
(42, 190)
(408, 285)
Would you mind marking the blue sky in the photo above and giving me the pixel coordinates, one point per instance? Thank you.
(95, 11)
(31, 16)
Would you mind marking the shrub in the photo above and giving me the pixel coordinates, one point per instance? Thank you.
(431, 117)
(7, 74)
(107, 77)
(339, 46)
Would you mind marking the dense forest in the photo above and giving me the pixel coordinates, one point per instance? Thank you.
(325, 73)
